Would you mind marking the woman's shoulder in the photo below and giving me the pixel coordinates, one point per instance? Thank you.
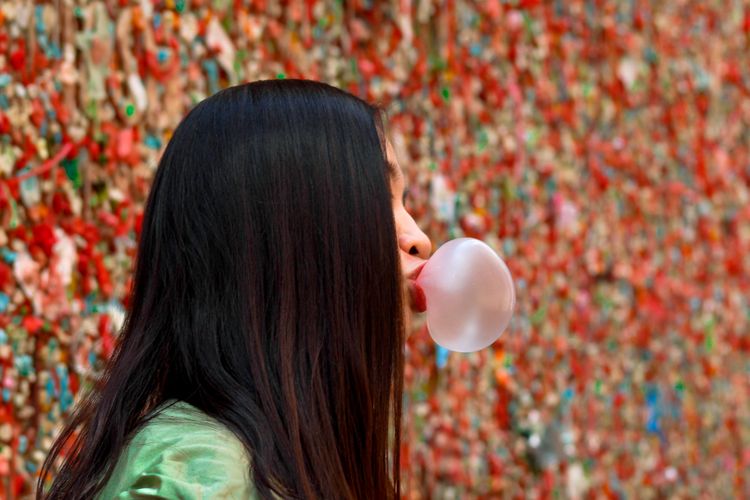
(174, 417)
(181, 452)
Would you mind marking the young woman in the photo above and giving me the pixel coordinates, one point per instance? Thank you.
(262, 355)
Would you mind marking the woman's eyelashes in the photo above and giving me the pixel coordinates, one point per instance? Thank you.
(404, 196)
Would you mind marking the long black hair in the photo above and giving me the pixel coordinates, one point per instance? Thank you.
(267, 293)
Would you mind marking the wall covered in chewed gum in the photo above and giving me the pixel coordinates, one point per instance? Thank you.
(602, 148)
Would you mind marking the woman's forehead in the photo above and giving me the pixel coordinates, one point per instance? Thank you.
(389, 151)
(391, 157)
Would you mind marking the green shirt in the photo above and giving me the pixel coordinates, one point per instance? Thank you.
(181, 453)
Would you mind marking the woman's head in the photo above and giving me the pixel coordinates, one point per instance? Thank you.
(268, 292)
(414, 246)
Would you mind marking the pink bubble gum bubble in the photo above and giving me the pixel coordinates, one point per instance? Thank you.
(470, 295)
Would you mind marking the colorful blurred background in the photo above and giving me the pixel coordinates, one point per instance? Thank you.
(602, 147)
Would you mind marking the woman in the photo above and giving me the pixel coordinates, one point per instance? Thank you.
(262, 355)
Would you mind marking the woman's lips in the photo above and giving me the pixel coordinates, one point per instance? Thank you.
(414, 274)
(417, 298)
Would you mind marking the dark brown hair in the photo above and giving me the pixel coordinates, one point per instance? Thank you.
(267, 293)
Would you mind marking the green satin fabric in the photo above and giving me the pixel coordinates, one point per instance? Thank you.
(182, 453)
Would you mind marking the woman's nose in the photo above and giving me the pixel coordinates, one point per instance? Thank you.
(415, 242)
